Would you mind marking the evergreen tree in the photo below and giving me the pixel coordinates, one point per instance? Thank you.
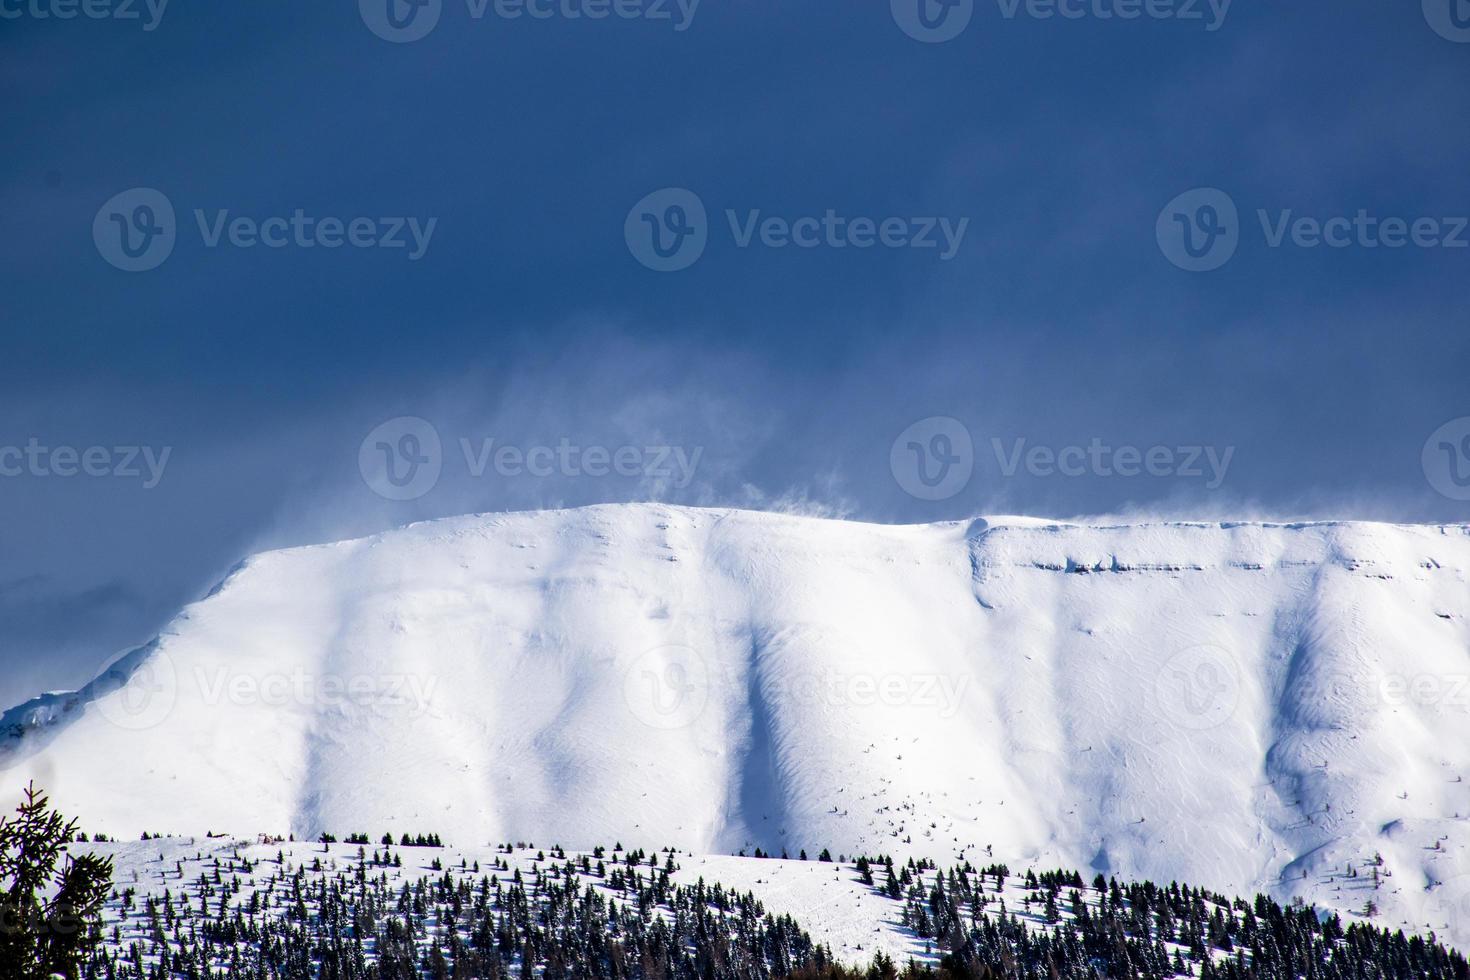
(43, 937)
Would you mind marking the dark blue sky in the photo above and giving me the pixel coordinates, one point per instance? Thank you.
(1060, 319)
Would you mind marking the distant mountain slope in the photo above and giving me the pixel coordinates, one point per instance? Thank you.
(1246, 706)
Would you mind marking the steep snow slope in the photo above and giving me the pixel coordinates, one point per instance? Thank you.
(1241, 706)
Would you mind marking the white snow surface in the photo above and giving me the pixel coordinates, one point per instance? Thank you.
(1247, 707)
(830, 901)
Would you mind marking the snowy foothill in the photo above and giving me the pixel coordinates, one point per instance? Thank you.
(852, 919)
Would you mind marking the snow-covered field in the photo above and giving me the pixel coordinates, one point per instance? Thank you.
(830, 900)
(174, 887)
(1243, 706)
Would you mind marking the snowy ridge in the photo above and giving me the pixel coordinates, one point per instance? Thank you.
(1243, 706)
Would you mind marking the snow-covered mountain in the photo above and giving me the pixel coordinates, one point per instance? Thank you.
(1242, 706)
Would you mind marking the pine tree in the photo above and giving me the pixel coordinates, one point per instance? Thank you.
(46, 937)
